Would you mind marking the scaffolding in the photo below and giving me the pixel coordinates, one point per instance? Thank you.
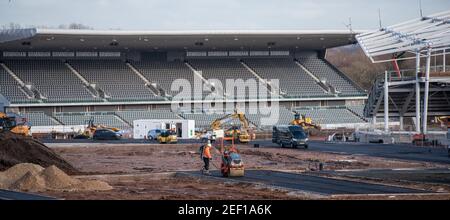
(423, 37)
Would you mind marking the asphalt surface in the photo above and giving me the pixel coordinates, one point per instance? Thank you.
(434, 176)
(394, 151)
(314, 184)
(12, 195)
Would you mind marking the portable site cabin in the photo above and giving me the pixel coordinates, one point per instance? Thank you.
(185, 129)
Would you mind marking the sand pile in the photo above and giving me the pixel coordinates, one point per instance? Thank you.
(34, 178)
(16, 172)
(16, 149)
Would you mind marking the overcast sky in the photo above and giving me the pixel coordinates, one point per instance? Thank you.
(214, 14)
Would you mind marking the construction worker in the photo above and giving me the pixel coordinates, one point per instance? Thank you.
(206, 156)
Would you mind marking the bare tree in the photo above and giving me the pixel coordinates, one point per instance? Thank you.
(11, 26)
(352, 61)
(78, 26)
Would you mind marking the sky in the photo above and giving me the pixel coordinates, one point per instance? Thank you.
(215, 14)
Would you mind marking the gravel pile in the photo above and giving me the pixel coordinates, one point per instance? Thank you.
(34, 178)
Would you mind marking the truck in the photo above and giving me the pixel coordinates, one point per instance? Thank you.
(290, 135)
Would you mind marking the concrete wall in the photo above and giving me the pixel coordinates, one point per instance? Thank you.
(3, 103)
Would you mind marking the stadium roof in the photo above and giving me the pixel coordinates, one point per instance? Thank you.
(418, 35)
(64, 39)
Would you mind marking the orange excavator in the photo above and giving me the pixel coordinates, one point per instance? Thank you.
(15, 124)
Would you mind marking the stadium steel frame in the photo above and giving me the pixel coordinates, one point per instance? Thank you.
(414, 39)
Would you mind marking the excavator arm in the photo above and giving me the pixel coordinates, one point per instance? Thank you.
(244, 136)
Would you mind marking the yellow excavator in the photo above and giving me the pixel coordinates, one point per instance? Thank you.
(15, 124)
(305, 122)
(242, 134)
(445, 123)
(91, 128)
(444, 120)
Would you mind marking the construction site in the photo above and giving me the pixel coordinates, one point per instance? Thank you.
(262, 115)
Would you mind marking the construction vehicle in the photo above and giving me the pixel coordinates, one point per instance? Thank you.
(167, 137)
(306, 123)
(232, 164)
(291, 135)
(91, 128)
(445, 122)
(15, 124)
(242, 134)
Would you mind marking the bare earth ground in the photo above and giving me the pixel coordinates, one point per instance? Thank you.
(145, 172)
(157, 187)
(125, 159)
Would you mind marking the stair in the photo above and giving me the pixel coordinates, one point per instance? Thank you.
(375, 94)
(266, 83)
(205, 81)
(157, 91)
(325, 86)
(55, 120)
(89, 87)
(357, 115)
(130, 124)
(26, 89)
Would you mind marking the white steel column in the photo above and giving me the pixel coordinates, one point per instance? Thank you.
(426, 93)
(401, 123)
(386, 102)
(443, 62)
(417, 92)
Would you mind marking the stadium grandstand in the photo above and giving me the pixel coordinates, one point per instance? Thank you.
(66, 77)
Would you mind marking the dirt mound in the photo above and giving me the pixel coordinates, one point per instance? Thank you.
(31, 182)
(16, 172)
(16, 149)
(34, 178)
(57, 179)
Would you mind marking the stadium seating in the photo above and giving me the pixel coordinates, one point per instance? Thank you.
(293, 80)
(283, 118)
(324, 71)
(130, 116)
(52, 79)
(115, 78)
(82, 118)
(165, 73)
(55, 81)
(39, 119)
(357, 109)
(223, 69)
(330, 115)
(11, 89)
(203, 120)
